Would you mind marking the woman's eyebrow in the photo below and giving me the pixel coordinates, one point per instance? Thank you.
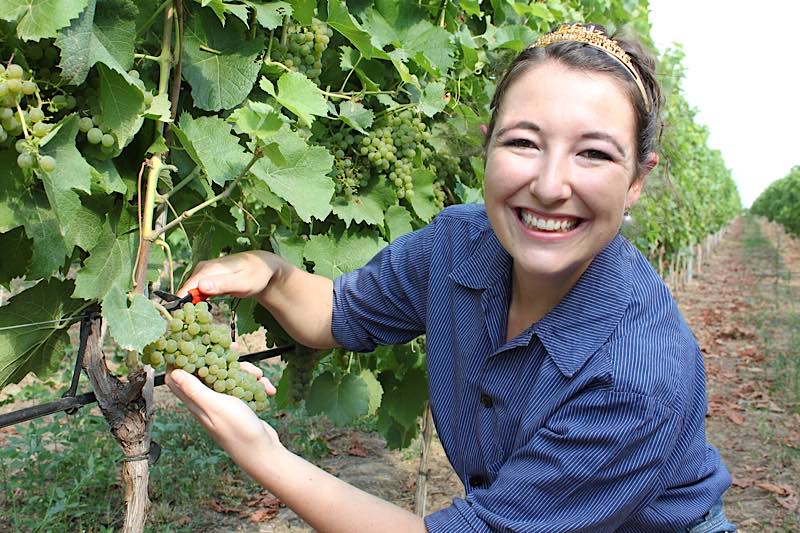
(522, 124)
(603, 136)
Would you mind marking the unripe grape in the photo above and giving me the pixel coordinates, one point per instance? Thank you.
(35, 114)
(14, 71)
(181, 361)
(3, 88)
(133, 74)
(28, 88)
(85, 124)
(94, 136)
(107, 140)
(47, 163)
(59, 101)
(41, 129)
(25, 161)
(14, 86)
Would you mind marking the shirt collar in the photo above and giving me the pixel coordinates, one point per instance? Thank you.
(487, 265)
(587, 316)
(584, 319)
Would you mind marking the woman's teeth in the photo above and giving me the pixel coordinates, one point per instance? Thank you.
(547, 224)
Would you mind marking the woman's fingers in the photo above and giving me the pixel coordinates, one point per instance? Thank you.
(239, 275)
(191, 392)
(259, 374)
(252, 369)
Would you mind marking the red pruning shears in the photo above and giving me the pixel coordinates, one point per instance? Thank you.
(176, 302)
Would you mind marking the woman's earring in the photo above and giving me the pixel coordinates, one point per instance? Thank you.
(626, 217)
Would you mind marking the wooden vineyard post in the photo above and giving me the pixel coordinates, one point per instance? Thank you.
(422, 472)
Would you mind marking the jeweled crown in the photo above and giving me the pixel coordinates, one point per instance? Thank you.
(590, 35)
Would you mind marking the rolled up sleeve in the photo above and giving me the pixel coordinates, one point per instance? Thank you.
(597, 461)
(385, 301)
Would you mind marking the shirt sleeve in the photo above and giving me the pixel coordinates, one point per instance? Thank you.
(596, 462)
(385, 301)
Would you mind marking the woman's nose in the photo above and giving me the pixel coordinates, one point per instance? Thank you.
(551, 184)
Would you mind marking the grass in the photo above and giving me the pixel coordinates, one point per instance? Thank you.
(62, 473)
(778, 322)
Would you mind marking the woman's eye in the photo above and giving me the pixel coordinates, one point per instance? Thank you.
(520, 143)
(597, 154)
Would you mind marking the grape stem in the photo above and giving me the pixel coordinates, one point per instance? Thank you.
(147, 56)
(168, 253)
(22, 121)
(183, 183)
(258, 154)
(153, 17)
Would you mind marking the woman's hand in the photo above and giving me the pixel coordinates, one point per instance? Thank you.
(241, 275)
(229, 421)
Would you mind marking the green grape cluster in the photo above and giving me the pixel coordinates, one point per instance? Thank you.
(301, 371)
(349, 176)
(304, 48)
(192, 342)
(393, 148)
(22, 117)
(95, 134)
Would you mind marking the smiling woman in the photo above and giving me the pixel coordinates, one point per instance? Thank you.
(566, 388)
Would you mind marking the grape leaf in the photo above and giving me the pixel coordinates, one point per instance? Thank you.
(301, 178)
(424, 201)
(299, 95)
(14, 265)
(132, 327)
(257, 119)
(303, 10)
(342, 401)
(213, 147)
(219, 63)
(289, 246)
(80, 225)
(37, 349)
(404, 399)
(259, 191)
(398, 221)
(374, 389)
(41, 226)
(355, 115)
(368, 205)
(333, 256)
(120, 103)
(513, 36)
(40, 19)
(340, 19)
(104, 33)
(407, 29)
(270, 16)
(110, 264)
(106, 177)
(160, 108)
(432, 100)
(11, 209)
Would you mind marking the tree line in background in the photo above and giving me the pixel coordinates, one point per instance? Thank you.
(780, 202)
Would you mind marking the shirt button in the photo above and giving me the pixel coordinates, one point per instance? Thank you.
(486, 400)
(475, 480)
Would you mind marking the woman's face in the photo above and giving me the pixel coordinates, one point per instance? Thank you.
(560, 169)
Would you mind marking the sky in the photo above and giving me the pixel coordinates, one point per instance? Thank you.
(743, 77)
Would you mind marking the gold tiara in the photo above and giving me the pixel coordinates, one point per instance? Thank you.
(597, 39)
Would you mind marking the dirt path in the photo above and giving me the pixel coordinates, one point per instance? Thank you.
(741, 313)
(731, 306)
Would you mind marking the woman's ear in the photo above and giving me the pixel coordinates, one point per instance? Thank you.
(635, 189)
(484, 129)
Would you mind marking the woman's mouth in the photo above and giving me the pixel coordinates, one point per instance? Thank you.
(537, 222)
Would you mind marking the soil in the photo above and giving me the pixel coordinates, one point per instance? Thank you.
(755, 427)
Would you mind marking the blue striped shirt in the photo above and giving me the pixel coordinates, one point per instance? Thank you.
(590, 420)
